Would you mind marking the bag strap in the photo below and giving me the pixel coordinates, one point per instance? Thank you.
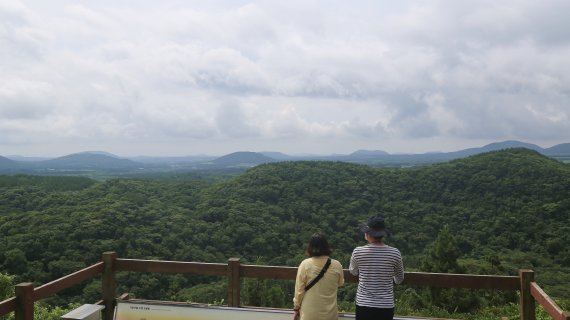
(318, 277)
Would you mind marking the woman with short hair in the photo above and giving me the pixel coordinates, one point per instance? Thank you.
(315, 296)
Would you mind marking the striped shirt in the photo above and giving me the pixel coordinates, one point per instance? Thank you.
(378, 268)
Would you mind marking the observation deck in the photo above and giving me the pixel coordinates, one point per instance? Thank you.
(26, 294)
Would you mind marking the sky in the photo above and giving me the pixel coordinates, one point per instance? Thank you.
(173, 78)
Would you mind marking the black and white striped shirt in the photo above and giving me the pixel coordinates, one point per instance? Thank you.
(377, 267)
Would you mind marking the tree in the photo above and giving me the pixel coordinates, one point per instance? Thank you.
(6, 286)
(442, 258)
(443, 254)
(15, 261)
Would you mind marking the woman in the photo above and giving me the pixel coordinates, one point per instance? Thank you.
(378, 267)
(319, 301)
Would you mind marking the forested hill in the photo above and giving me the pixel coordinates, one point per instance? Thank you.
(513, 205)
(494, 202)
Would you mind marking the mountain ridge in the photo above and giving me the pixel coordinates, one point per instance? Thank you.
(242, 159)
(87, 160)
(98, 160)
(7, 162)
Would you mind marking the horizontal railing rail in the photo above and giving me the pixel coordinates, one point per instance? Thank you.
(26, 294)
(469, 281)
(68, 281)
(202, 268)
(7, 306)
(267, 272)
(422, 279)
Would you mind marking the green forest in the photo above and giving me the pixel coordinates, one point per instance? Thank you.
(492, 213)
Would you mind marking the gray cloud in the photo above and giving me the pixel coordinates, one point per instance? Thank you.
(232, 122)
(242, 74)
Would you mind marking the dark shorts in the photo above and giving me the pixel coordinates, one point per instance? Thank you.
(369, 313)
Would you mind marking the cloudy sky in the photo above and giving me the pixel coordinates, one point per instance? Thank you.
(212, 77)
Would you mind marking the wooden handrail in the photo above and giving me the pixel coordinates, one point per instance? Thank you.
(53, 287)
(7, 306)
(233, 270)
(424, 279)
(208, 269)
(547, 303)
(70, 280)
(268, 272)
(469, 281)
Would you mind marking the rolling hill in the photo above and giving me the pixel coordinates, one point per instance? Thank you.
(103, 161)
(241, 159)
(5, 162)
(88, 160)
(511, 205)
(558, 150)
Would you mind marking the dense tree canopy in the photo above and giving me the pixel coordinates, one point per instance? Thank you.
(506, 210)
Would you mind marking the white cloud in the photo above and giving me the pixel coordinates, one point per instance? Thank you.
(243, 74)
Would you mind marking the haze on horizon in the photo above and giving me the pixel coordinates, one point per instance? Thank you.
(171, 77)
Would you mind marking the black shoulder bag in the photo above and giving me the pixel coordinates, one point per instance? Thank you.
(318, 277)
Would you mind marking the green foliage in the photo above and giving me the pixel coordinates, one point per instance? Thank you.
(6, 286)
(205, 293)
(265, 293)
(41, 311)
(44, 312)
(442, 257)
(443, 254)
(505, 210)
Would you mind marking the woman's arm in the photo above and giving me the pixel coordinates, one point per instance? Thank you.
(300, 283)
(341, 276)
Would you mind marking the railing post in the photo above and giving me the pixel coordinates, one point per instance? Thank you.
(527, 304)
(233, 282)
(109, 284)
(24, 301)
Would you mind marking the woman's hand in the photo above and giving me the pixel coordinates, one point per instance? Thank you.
(296, 314)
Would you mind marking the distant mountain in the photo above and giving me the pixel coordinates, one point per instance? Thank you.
(384, 158)
(6, 163)
(95, 160)
(368, 153)
(104, 153)
(510, 144)
(242, 159)
(434, 157)
(27, 159)
(495, 146)
(277, 155)
(558, 150)
(88, 160)
(172, 160)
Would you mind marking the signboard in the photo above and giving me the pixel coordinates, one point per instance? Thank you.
(159, 310)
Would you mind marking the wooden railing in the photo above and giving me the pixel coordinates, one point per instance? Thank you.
(26, 295)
